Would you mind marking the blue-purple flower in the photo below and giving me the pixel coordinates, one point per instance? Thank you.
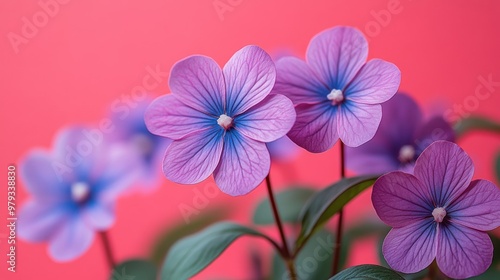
(438, 213)
(221, 119)
(283, 149)
(336, 93)
(402, 136)
(73, 191)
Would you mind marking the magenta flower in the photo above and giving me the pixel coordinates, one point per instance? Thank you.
(73, 191)
(402, 136)
(438, 213)
(336, 93)
(220, 120)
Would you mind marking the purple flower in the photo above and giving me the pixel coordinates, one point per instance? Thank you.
(401, 138)
(148, 148)
(283, 149)
(220, 120)
(335, 93)
(438, 213)
(73, 191)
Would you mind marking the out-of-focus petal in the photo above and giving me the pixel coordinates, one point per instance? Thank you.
(463, 252)
(250, 76)
(99, 215)
(197, 81)
(435, 129)
(193, 158)
(400, 199)
(283, 149)
(375, 83)
(368, 161)
(315, 128)
(71, 240)
(337, 54)
(169, 117)
(446, 170)
(244, 164)
(411, 248)
(267, 121)
(296, 80)
(38, 221)
(357, 122)
(478, 207)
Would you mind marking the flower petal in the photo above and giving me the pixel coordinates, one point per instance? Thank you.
(250, 76)
(167, 116)
(197, 81)
(446, 170)
(283, 149)
(267, 121)
(71, 240)
(358, 122)
(400, 199)
(337, 54)
(244, 164)
(38, 221)
(99, 215)
(435, 129)
(296, 80)
(193, 158)
(463, 252)
(315, 128)
(375, 83)
(411, 248)
(478, 207)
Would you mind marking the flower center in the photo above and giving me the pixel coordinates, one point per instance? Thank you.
(225, 121)
(439, 213)
(143, 143)
(80, 192)
(336, 96)
(406, 153)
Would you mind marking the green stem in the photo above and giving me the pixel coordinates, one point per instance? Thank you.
(107, 249)
(338, 241)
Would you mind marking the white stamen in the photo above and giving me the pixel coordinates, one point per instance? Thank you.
(336, 96)
(225, 121)
(406, 153)
(143, 143)
(439, 213)
(80, 191)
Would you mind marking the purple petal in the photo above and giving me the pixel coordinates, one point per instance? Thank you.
(250, 76)
(375, 83)
(267, 121)
(43, 176)
(296, 80)
(197, 81)
(315, 128)
(337, 54)
(411, 248)
(193, 158)
(71, 240)
(99, 215)
(400, 199)
(478, 207)
(282, 149)
(446, 170)
(167, 116)
(433, 130)
(357, 122)
(38, 221)
(463, 252)
(244, 164)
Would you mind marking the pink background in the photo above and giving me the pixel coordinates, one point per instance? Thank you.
(91, 53)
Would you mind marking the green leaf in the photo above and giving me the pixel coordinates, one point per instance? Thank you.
(497, 167)
(192, 254)
(290, 202)
(327, 202)
(134, 269)
(475, 123)
(313, 262)
(171, 234)
(367, 272)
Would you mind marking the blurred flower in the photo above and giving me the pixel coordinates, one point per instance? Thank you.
(132, 131)
(283, 149)
(402, 136)
(74, 190)
(438, 213)
(220, 120)
(335, 93)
